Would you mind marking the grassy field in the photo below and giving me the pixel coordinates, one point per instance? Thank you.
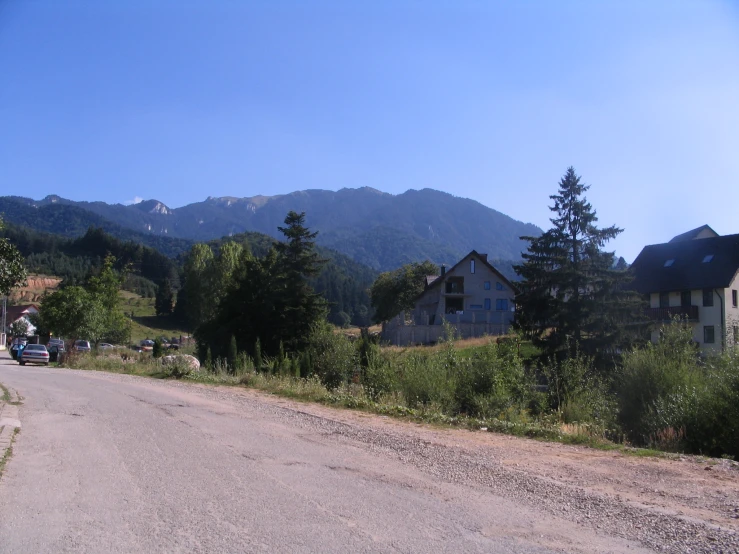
(145, 324)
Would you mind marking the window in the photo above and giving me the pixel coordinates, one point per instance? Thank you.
(709, 334)
(707, 297)
(472, 266)
(664, 299)
(499, 286)
(708, 258)
(487, 303)
(685, 300)
(669, 263)
(487, 285)
(501, 304)
(734, 301)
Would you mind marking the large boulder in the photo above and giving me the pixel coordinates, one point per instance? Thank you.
(191, 361)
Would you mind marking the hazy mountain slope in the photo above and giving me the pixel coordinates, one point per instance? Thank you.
(72, 220)
(378, 229)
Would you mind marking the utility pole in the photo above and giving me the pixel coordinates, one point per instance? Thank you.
(3, 338)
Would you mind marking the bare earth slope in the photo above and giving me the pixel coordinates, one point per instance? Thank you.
(113, 463)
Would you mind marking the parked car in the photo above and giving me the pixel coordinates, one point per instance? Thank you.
(82, 346)
(57, 352)
(52, 342)
(105, 346)
(34, 354)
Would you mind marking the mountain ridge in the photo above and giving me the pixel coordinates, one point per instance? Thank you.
(376, 228)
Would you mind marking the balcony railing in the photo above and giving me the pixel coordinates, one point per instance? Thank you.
(666, 314)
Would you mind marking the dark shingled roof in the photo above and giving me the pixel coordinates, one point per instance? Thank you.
(687, 272)
(690, 235)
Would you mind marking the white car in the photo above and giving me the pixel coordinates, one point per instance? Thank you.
(34, 354)
(105, 346)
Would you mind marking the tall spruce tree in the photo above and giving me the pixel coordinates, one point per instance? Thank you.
(164, 299)
(297, 263)
(573, 296)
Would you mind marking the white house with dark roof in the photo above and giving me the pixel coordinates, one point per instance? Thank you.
(472, 296)
(694, 276)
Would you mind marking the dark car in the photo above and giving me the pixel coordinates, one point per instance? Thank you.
(57, 352)
(34, 354)
(82, 346)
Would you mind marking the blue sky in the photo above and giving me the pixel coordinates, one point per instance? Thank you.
(114, 100)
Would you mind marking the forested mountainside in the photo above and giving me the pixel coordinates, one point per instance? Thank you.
(343, 282)
(71, 221)
(380, 230)
(73, 259)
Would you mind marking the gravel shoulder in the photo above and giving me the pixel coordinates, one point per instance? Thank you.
(677, 504)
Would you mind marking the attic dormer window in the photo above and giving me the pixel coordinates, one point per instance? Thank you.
(708, 258)
(669, 262)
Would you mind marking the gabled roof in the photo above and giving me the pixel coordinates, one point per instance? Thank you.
(687, 271)
(693, 234)
(430, 279)
(483, 258)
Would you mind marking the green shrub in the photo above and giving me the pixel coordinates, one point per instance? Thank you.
(332, 355)
(244, 363)
(157, 351)
(379, 377)
(578, 393)
(654, 384)
(491, 382)
(425, 379)
(670, 398)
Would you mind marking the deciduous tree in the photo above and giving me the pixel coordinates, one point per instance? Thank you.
(12, 268)
(395, 291)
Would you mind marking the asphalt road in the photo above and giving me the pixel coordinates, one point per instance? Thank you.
(114, 463)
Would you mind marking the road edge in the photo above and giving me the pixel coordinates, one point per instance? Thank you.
(10, 423)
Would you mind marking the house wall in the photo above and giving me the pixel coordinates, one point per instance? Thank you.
(398, 332)
(474, 294)
(732, 313)
(707, 315)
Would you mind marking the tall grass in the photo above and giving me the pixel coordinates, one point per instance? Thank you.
(671, 398)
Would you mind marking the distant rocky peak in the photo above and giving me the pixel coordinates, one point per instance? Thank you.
(153, 207)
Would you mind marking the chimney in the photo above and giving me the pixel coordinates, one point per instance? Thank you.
(484, 257)
(443, 270)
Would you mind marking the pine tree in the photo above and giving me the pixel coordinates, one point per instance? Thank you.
(572, 295)
(232, 356)
(164, 299)
(297, 263)
(258, 362)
